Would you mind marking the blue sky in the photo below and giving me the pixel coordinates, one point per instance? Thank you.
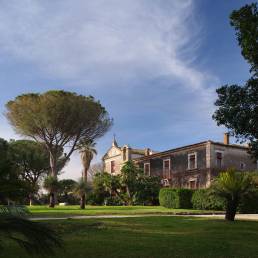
(154, 65)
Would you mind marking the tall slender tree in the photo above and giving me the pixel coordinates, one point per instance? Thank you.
(87, 151)
(59, 119)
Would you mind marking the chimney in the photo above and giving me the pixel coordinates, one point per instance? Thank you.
(147, 152)
(226, 138)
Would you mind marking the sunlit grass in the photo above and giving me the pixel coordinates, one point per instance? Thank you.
(73, 210)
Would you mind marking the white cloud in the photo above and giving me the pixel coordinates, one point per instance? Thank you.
(91, 41)
(118, 47)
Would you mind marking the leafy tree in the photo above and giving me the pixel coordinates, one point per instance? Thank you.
(238, 105)
(100, 189)
(130, 179)
(66, 188)
(59, 119)
(12, 187)
(37, 238)
(81, 188)
(245, 22)
(233, 186)
(87, 150)
(130, 187)
(106, 186)
(32, 160)
(148, 190)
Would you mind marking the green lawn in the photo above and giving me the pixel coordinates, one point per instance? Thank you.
(66, 211)
(153, 237)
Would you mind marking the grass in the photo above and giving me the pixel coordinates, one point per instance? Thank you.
(66, 211)
(153, 237)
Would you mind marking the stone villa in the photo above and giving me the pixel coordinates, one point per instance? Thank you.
(192, 166)
(116, 156)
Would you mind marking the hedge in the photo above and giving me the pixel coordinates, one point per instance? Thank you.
(249, 204)
(202, 199)
(175, 198)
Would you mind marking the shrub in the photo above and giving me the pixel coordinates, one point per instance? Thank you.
(175, 198)
(113, 201)
(249, 204)
(202, 199)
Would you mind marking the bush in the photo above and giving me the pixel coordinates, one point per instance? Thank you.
(175, 198)
(249, 204)
(202, 199)
(94, 198)
(113, 201)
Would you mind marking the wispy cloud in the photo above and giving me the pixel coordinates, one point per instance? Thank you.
(139, 56)
(91, 41)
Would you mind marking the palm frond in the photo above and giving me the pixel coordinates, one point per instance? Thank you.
(34, 237)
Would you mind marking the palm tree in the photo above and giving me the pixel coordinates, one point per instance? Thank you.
(35, 237)
(81, 188)
(51, 184)
(233, 186)
(87, 151)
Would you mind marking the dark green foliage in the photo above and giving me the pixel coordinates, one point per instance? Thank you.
(36, 238)
(249, 203)
(237, 106)
(130, 187)
(202, 199)
(113, 201)
(245, 22)
(104, 185)
(168, 198)
(12, 186)
(175, 198)
(233, 187)
(131, 179)
(238, 111)
(80, 189)
(32, 161)
(148, 191)
(66, 187)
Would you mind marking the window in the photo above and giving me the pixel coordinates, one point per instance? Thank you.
(147, 169)
(166, 168)
(113, 166)
(242, 165)
(192, 184)
(218, 159)
(192, 160)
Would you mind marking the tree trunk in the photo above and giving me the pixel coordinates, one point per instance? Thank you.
(53, 166)
(52, 200)
(85, 174)
(82, 202)
(31, 199)
(231, 209)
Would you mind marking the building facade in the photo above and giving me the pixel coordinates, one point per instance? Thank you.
(116, 156)
(194, 166)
